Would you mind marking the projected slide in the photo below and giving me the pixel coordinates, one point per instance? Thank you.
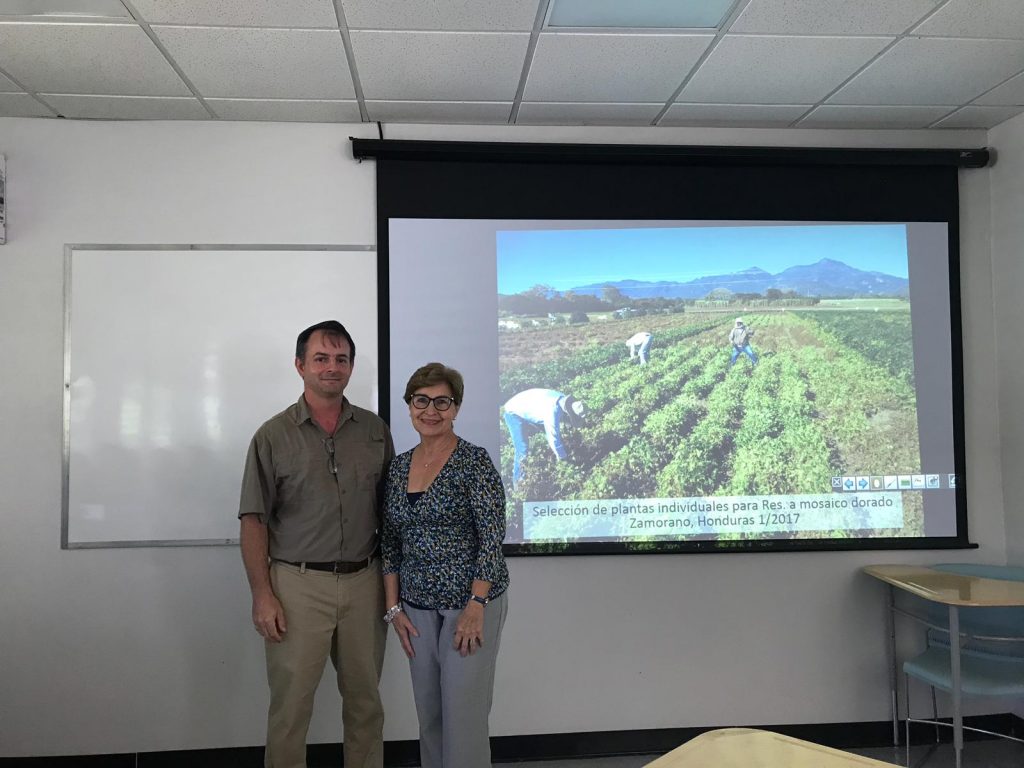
(672, 382)
(707, 381)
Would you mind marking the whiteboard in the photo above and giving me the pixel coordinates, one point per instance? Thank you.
(174, 356)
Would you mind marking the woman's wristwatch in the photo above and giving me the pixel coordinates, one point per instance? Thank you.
(481, 600)
(393, 611)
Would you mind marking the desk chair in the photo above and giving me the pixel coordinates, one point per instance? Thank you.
(991, 650)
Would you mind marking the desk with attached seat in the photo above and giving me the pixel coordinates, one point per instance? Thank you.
(955, 591)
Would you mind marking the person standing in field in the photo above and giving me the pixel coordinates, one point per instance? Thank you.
(740, 337)
(639, 346)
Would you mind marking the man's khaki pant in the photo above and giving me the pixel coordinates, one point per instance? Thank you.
(327, 615)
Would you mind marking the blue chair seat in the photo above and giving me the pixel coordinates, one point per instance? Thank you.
(986, 674)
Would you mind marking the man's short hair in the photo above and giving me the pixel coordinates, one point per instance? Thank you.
(332, 329)
(435, 373)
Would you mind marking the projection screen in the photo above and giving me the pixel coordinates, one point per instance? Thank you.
(694, 382)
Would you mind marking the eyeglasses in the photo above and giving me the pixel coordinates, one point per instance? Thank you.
(332, 465)
(441, 402)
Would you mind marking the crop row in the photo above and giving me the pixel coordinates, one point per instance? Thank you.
(554, 374)
(689, 424)
(882, 337)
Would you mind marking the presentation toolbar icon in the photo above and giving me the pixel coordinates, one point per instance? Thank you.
(891, 482)
(837, 483)
(877, 483)
(918, 481)
(863, 483)
(849, 483)
(932, 481)
(952, 481)
(906, 482)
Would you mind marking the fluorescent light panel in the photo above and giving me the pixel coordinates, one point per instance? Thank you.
(92, 8)
(653, 14)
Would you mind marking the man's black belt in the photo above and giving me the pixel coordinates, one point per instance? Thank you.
(334, 566)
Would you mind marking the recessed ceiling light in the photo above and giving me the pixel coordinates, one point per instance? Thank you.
(91, 8)
(655, 14)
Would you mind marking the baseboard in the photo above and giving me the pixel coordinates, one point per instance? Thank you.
(546, 746)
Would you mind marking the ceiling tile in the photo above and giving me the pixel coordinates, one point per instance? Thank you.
(287, 110)
(439, 111)
(831, 17)
(746, 115)
(835, 116)
(638, 14)
(977, 18)
(6, 86)
(566, 113)
(439, 66)
(979, 117)
(778, 70)
(127, 107)
(450, 15)
(1010, 93)
(240, 13)
(87, 58)
(261, 63)
(65, 8)
(21, 105)
(921, 71)
(612, 67)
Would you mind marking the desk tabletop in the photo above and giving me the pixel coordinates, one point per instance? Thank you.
(750, 748)
(950, 588)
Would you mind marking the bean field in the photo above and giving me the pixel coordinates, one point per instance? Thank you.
(832, 394)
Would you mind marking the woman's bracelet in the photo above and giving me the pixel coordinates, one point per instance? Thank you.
(393, 611)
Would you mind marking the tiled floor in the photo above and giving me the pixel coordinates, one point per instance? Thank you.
(977, 754)
(996, 753)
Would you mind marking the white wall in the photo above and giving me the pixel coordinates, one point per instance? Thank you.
(136, 650)
(1008, 270)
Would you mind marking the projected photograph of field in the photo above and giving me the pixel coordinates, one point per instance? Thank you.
(720, 384)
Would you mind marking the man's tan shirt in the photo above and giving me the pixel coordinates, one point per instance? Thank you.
(313, 514)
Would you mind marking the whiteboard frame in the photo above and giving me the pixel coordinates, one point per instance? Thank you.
(69, 249)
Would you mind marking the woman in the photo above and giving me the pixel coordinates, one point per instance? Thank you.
(444, 574)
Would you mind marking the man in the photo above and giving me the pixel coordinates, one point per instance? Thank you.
(740, 337)
(639, 345)
(309, 510)
(545, 409)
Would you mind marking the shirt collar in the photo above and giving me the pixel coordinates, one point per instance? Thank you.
(302, 411)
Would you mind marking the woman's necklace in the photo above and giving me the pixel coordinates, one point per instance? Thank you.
(444, 450)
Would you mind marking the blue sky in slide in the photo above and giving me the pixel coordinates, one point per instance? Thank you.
(565, 258)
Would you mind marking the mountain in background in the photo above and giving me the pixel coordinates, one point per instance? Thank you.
(825, 278)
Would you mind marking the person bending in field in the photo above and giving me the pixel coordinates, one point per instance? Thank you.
(639, 346)
(540, 409)
(740, 337)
